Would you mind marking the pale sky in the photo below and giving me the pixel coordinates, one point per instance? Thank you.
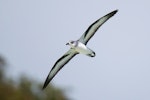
(33, 34)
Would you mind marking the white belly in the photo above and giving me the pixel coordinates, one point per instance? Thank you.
(81, 48)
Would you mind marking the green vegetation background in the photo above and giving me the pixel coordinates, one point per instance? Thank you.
(25, 88)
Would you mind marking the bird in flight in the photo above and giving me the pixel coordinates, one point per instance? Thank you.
(78, 47)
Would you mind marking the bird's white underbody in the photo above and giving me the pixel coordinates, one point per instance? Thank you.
(81, 48)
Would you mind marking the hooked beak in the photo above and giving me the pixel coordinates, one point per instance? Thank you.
(67, 43)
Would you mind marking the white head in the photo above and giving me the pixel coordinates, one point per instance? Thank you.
(72, 43)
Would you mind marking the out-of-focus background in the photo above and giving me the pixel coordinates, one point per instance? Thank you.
(33, 34)
(25, 88)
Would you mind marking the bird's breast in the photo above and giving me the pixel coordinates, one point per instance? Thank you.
(81, 48)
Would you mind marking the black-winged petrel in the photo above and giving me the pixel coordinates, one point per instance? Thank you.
(78, 47)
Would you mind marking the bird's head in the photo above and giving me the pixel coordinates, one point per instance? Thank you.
(71, 43)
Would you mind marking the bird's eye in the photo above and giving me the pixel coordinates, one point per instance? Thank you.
(72, 42)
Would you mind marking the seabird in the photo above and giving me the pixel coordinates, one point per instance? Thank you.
(78, 47)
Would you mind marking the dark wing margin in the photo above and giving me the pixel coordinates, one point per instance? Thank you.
(58, 65)
(94, 27)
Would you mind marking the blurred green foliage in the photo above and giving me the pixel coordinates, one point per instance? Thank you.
(25, 88)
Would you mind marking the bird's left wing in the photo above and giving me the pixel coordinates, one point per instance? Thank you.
(94, 27)
(59, 64)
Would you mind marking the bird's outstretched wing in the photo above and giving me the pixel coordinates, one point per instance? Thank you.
(59, 64)
(94, 27)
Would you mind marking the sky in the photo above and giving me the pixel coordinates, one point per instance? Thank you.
(33, 34)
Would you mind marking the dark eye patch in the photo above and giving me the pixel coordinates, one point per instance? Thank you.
(72, 42)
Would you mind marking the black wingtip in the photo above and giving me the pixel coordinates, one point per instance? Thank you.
(44, 86)
(46, 82)
(113, 12)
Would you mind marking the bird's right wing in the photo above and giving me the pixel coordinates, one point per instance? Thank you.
(59, 64)
(94, 27)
